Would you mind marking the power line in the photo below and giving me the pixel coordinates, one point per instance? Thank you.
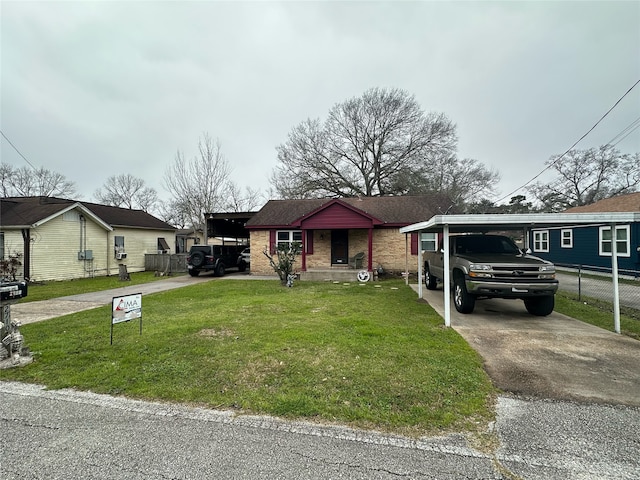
(572, 146)
(625, 133)
(16, 149)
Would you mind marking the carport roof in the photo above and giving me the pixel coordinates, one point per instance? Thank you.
(491, 222)
(496, 222)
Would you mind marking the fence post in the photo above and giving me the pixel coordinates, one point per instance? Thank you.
(579, 283)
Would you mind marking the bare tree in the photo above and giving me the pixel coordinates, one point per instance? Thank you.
(199, 185)
(29, 182)
(368, 146)
(127, 191)
(6, 173)
(239, 201)
(462, 181)
(586, 176)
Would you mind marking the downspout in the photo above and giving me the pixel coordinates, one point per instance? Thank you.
(26, 242)
(108, 256)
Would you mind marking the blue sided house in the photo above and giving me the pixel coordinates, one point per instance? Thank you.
(590, 246)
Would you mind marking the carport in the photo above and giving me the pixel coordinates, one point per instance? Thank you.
(448, 224)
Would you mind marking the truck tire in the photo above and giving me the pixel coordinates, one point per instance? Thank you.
(242, 266)
(194, 273)
(540, 306)
(429, 280)
(219, 270)
(462, 300)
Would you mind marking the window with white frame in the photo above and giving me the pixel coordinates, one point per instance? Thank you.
(566, 238)
(428, 242)
(541, 241)
(622, 241)
(285, 238)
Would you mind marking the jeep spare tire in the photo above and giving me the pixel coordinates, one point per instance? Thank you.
(197, 259)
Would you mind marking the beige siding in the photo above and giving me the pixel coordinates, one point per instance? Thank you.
(137, 243)
(55, 246)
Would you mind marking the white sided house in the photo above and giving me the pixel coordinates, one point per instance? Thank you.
(59, 239)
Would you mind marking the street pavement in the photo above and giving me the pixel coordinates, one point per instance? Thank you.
(62, 434)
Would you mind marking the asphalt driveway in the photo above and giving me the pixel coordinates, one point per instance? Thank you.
(554, 357)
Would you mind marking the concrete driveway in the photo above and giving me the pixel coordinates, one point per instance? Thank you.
(554, 357)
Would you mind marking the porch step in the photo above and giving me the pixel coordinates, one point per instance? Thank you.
(335, 275)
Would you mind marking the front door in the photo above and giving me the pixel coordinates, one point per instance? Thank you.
(339, 247)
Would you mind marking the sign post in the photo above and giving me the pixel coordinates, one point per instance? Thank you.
(125, 309)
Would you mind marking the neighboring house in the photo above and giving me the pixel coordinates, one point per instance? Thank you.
(590, 246)
(59, 239)
(334, 231)
(188, 237)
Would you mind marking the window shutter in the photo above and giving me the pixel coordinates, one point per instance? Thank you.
(272, 241)
(414, 244)
(310, 242)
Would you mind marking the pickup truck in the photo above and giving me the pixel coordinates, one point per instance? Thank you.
(492, 266)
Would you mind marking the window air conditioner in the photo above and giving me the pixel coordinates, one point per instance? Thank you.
(121, 256)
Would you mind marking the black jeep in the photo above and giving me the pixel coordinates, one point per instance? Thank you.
(218, 258)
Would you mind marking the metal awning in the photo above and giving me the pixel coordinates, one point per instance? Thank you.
(499, 222)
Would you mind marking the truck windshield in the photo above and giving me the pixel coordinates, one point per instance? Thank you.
(486, 244)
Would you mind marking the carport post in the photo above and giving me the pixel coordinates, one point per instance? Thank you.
(419, 264)
(614, 274)
(447, 276)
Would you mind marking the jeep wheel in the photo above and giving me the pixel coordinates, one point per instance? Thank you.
(194, 273)
(242, 266)
(429, 280)
(219, 270)
(540, 306)
(197, 259)
(463, 301)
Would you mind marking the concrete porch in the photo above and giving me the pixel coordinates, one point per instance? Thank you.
(336, 274)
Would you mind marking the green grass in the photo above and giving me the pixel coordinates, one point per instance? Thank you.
(48, 290)
(599, 313)
(350, 354)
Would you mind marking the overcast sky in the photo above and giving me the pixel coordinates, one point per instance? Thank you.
(94, 89)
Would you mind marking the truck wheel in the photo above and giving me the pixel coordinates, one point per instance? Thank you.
(540, 306)
(429, 280)
(462, 300)
(194, 273)
(219, 270)
(242, 266)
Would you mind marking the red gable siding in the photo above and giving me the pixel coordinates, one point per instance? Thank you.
(336, 216)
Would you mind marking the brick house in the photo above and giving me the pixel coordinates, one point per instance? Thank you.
(342, 234)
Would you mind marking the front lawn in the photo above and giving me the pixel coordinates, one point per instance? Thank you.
(369, 356)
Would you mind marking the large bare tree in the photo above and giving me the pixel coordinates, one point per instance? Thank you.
(31, 182)
(199, 185)
(586, 176)
(127, 191)
(371, 145)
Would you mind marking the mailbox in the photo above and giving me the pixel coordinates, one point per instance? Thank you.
(12, 290)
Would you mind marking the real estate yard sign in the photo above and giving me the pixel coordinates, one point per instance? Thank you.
(125, 309)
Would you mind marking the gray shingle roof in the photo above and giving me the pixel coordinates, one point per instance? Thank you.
(392, 211)
(24, 211)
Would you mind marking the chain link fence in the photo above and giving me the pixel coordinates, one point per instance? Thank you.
(595, 285)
